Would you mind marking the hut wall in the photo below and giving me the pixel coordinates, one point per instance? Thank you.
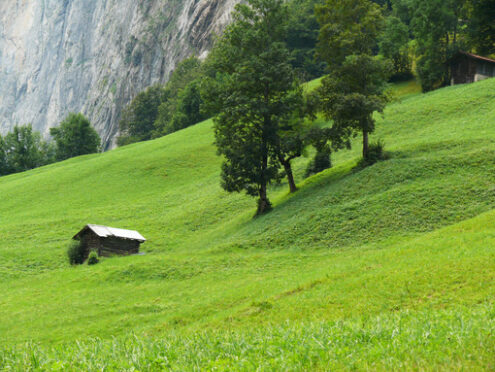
(463, 70)
(115, 246)
(484, 70)
(466, 69)
(91, 242)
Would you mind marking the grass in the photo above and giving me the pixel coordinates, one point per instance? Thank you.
(324, 281)
(445, 339)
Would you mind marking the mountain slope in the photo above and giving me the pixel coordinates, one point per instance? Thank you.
(67, 56)
(350, 244)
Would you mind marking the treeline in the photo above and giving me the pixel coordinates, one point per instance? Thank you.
(419, 37)
(161, 110)
(427, 33)
(23, 148)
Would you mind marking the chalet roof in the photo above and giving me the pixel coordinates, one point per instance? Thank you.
(107, 232)
(475, 56)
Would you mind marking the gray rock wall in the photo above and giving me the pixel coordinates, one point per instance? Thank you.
(94, 56)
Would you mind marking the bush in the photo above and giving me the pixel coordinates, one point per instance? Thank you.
(320, 162)
(93, 258)
(76, 253)
(375, 154)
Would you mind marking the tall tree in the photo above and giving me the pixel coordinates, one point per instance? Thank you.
(355, 87)
(257, 97)
(75, 136)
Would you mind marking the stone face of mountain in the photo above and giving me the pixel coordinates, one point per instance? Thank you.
(94, 56)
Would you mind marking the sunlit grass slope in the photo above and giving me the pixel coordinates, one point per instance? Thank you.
(390, 266)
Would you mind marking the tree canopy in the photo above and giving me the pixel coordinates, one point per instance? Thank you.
(75, 136)
(137, 122)
(354, 88)
(23, 149)
(258, 100)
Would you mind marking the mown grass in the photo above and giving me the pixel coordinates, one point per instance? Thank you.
(413, 235)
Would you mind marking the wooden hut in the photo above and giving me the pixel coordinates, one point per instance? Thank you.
(469, 68)
(108, 241)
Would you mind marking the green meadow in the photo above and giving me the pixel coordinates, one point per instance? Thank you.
(391, 267)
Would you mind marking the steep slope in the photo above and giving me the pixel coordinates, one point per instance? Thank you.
(360, 253)
(94, 56)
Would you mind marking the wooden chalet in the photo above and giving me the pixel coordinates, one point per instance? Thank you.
(469, 68)
(109, 241)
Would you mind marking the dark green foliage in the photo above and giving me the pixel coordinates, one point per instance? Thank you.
(137, 122)
(403, 9)
(182, 101)
(259, 102)
(436, 25)
(375, 154)
(160, 110)
(481, 30)
(320, 162)
(348, 27)
(74, 137)
(23, 149)
(302, 36)
(4, 165)
(129, 48)
(76, 253)
(440, 28)
(186, 111)
(394, 46)
(93, 258)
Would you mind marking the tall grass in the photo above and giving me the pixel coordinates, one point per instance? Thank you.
(461, 339)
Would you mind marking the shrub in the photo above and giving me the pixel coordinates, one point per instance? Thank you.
(376, 153)
(76, 253)
(320, 162)
(93, 258)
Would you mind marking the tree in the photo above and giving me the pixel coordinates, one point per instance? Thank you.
(394, 46)
(355, 87)
(292, 136)
(24, 150)
(4, 166)
(257, 98)
(481, 29)
(182, 100)
(187, 109)
(302, 36)
(74, 137)
(138, 118)
(436, 25)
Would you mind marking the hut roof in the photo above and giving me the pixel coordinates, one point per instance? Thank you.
(107, 232)
(475, 56)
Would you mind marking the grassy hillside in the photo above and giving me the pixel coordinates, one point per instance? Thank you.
(390, 266)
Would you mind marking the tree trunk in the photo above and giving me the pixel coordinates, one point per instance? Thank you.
(290, 176)
(264, 204)
(365, 144)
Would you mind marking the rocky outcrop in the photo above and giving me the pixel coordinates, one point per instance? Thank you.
(93, 56)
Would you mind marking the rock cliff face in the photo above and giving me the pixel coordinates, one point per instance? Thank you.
(93, 56)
